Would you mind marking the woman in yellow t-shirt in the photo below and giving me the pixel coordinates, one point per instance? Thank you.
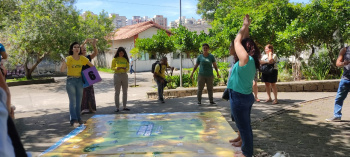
(120, 65)
(74, 63)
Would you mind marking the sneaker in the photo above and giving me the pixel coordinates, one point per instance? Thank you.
(162, 101)
(334, 119)
(212, 103)
(116, 110)
(81, 122)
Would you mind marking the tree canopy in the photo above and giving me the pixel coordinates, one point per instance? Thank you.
(46, 28)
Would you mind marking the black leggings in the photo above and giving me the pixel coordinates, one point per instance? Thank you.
(16, 140)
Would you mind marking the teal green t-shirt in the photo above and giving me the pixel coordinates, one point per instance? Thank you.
(241, 79)
(205, 65)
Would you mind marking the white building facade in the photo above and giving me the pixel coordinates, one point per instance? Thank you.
(126, 37)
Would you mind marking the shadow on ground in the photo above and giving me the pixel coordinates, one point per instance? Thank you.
(43, 128)
(302, 134)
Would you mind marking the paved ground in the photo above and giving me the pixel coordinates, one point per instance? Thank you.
(295, 126)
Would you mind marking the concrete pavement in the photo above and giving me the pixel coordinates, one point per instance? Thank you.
(42, 116)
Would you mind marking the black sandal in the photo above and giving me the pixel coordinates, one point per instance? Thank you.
(126, 109)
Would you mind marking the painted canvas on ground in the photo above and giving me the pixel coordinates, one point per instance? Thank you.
(162, 134)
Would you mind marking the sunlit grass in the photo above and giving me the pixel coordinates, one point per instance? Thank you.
(25, 79)
(105, 70)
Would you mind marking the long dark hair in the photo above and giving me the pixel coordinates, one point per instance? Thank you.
(71, 48)
(252, 50)
(120, 49)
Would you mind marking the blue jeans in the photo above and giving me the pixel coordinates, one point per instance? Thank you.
(161, 87)
(343, 89)
(131, 70)
(241, 106)
(74, 88)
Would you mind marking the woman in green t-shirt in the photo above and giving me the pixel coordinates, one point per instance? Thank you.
(240, 86)
(205, 61)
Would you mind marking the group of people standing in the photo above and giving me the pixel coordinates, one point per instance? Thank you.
(82, 100)
(241, 85)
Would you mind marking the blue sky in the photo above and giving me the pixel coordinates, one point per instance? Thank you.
(129, 8)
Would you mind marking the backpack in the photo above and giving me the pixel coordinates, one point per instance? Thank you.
(154, 66)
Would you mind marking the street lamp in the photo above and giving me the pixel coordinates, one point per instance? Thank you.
(180, 53)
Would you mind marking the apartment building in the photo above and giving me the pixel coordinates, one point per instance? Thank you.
(118, 21)
(159, 19)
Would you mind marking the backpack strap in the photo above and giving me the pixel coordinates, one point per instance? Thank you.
(160, 68)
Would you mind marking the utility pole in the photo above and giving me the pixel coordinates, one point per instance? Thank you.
(180, 53)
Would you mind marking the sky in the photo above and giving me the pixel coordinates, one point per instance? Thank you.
(168, 8)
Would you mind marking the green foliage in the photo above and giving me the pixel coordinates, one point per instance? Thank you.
(97, 27)
(318, 67)
(291, 27)
(159, 45)
(108, 70)
(25, 79)
(37, 29)
(7, 9)
(207, 8)
(135, 52)
(223, 69)
(285, 72)
(187, 41)
(174, 81)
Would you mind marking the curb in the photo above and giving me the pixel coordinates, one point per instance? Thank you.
(31, 82)
(284, 110)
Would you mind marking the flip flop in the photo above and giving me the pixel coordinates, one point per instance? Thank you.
(233, 140)
(275, 102)
(268, 100)
(257, 100)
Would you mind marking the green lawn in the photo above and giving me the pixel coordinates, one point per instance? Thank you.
(105, 70)
(25, 79)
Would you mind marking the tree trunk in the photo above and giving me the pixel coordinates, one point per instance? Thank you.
(30, 71)
(312, 51)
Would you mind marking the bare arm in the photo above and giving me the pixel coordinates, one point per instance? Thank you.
(90, 64)
(194, 69)
(93, 55)
(240, 51)
(83, 44)
(4, 55)
(4, 86)
(216, 69)
(63, 66)
(340, 61)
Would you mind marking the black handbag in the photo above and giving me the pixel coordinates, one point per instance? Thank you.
(266, 68)
(226, 95)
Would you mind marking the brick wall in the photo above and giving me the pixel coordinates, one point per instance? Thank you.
(297, 86)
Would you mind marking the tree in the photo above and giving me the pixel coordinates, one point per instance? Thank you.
(328, 24)
(47, 28)
(207, 8)
(187, 41)
(159, 45)
(7, 10)
(97, 27)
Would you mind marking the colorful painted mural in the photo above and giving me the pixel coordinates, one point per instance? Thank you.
(162, 134)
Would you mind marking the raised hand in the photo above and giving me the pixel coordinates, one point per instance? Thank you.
(247, 20)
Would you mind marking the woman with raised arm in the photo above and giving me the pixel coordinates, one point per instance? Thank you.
(88, 103)
(74, 63)
(240, 85)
